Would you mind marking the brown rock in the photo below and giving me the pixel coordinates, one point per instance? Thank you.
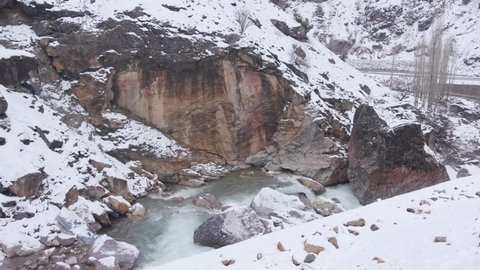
(96, 192)
(313, 185)
(71, 197)
(356, 223)
(440, 239)
(208, 201)
(309, 248)
(120, 187)
(27, 185)
(378, 260)
(99, 165)
(333, 241)
(384, 161)
(118, 204)
(280, 247)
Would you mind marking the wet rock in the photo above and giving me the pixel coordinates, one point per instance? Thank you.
(137, 211)
(27, 185)
(72, 196)
(230, 227)
(313, 185)
(3, 105)
(118, 204)
(260, 159)
(384, 161)
(125, 254)
(356, 223)
(208, 201)
(268, 201)
(326, 208)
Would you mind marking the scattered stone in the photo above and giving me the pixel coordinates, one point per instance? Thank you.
(2, 141)
(411, 210)
(374, 228)
(295, 262)
(259, 256)
(269, 200)
(313, 185)
(137, 211)
(440, 239)
(229, 227)
(99, 165)
(280, 247)
(463, 172)
(28, 184)
(353, 232)
(424, 202)
(309, 258)
(333, 240)
(326, 208)
(207, 201)
(118, 204)
(356, 223)
(477, 193)
(72, 196)
(378, 260)
(3, 105)
(228, 262)
(71, 260)
(124, 254)
(309, 248)
(335, 229)
(96, 192)
(61, 266)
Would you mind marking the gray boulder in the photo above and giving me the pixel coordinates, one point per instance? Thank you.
(385, 162)
(70, 223)
(230, 227)
(105, 247)
(3, 105)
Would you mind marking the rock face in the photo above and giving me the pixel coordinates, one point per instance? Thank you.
(27, 185)
(125, 254)
(228, 228)
(16, 69)
(384, 161)
(223, 104)
(3, 105)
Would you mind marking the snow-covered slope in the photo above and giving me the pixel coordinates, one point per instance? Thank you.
(407, 228)
(376, 30)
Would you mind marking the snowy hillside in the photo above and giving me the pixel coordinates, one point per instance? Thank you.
(385, 29)
(433, 228)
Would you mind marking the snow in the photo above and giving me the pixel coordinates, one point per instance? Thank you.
(404, 241)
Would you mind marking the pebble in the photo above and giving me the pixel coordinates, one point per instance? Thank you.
(374, 227)
(309, 258)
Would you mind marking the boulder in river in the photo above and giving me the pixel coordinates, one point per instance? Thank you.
(230, 227)
(125, 254)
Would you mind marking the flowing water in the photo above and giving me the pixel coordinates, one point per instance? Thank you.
(166, 232)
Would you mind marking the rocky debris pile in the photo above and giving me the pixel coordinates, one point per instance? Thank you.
(384, 161)
(269, 210)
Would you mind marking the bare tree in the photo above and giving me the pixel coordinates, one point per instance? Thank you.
(433, 67)
(242, 17)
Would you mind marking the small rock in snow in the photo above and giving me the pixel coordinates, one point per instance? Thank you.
(228, 262)
(424, 202)
(309, 258)
(280, 247)
(378, 260)
(295, 262)
(259, 256)
(356, 223)
(333, 241)
(309, 248)
(353, 232)
(411, 210)
(478, 193)
(374, 227)
(440, 239)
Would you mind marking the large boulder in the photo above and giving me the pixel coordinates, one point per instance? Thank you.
(268, 201)
(28, 184)
(70, 223)
(230, 227)
(105, 247)
(16, 69)
(384, 161)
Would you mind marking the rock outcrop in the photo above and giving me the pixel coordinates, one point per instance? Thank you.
(16, 69)
(384, 161)
(230, 227)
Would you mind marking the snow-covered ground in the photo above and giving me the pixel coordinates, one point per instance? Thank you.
(407, 227)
